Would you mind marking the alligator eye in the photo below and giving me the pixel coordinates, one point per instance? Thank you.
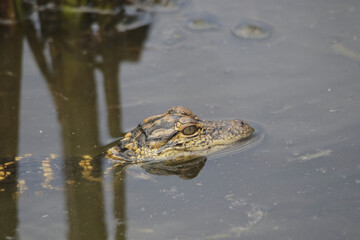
(189, 130)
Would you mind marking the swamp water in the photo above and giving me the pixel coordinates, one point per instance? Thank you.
(76, 79)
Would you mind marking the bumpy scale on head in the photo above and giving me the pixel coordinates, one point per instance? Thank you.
(178, 132)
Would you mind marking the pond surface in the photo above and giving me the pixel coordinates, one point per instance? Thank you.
(74, 80)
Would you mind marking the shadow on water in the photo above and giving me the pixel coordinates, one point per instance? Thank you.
(69, 46)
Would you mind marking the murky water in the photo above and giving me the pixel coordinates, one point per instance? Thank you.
(75, 79)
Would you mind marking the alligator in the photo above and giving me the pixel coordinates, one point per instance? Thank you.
(174, 143)
(178, 135)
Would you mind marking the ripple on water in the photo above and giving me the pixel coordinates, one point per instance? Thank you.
(173, 35)
(244, 144)
(252, 29)
(202, 21)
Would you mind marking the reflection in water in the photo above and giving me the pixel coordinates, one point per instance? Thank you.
(8, 203)
(85, 201)
(10, 81)
(76, 52)
(69, 47)
(75, 55)
(184, 169)
(119, 202)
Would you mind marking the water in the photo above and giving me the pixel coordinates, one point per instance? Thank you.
(71, 85)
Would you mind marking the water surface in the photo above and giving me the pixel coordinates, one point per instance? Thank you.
(76, 79)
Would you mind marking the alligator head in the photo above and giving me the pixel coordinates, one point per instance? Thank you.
(178, 133)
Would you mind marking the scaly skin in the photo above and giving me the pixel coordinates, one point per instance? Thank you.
(179, 134)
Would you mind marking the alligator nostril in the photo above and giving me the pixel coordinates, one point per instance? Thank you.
(242, 123)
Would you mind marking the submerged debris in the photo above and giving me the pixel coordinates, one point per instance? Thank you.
(311, 156)
(343, 50)
(285, 108)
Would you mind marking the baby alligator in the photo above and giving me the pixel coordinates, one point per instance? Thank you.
(177, 134)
